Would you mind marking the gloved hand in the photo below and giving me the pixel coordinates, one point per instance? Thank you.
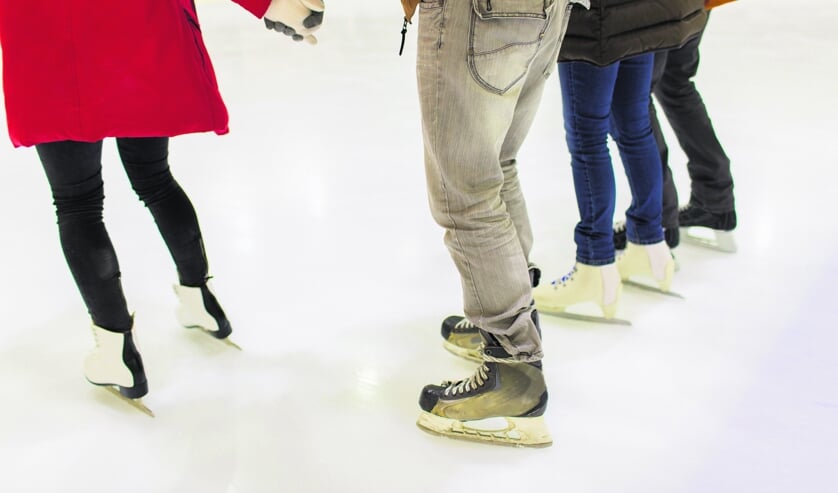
(295, 18)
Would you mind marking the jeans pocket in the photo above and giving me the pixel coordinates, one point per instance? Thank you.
(430, 4)
(430, 23)
(504, 37)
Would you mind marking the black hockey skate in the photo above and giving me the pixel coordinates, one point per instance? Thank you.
(462, 337)
(708, 229)
(502, 403)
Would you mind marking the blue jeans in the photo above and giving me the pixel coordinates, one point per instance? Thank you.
(615, 99)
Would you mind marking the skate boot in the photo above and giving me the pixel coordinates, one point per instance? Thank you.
(462, 337)
(599, 285)
(672, 236)
(696, 222)
(116, 365)
(653, 262)
(199, 309)
(502, 403)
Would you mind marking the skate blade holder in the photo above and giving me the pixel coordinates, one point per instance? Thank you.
(653, 289)
(714, 239)
(514, 432)
(135, 403)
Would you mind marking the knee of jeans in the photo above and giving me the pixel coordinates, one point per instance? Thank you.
(587, 130)
(672, 91)
(80, 207)
(588, 141)
(632, 130)
(154, 188)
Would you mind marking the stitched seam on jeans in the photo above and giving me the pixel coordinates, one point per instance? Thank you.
(447, 203)
(589, 253)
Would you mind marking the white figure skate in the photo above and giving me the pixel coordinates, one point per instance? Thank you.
(199, 309)
(115, 364)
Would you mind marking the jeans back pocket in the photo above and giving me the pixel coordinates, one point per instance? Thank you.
(504, 37)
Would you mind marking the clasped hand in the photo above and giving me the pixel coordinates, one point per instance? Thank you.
(298, 19)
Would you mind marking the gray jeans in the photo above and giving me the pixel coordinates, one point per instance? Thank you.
(481, 69)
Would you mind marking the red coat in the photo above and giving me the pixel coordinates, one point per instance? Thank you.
(89, 69)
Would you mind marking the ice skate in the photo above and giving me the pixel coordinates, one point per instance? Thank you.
(599, 285)
(672, 236)
(199, 309)
(707, 229)
(650, 262)
(116, 365)
(462, 337)
(502, 403)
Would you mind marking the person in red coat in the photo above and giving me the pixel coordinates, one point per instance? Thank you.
(139, 72)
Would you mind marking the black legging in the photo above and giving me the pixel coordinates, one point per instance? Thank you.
(74, 171)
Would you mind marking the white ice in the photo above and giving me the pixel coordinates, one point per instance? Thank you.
(335, 277)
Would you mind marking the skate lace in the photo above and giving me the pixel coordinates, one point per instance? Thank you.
(619, 226)
(95, 336)
(565, 278)
(468, 384)
(464, 324)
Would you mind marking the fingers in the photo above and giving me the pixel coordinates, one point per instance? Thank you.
(314, 20)
(289, 31)
(304, 18)
(315, 5)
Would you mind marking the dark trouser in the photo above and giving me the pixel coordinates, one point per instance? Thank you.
(707, 163)
(74, 171)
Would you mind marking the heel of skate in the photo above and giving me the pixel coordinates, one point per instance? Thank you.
(115, 364)
(199, 309)
(654, 264)
(714, 239)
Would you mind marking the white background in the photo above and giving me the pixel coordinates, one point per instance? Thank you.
(335, 278)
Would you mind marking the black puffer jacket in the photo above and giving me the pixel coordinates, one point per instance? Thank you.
(612, 30)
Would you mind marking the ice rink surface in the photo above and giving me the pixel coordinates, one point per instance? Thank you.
(335, 278)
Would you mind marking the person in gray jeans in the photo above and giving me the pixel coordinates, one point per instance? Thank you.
(481, 69)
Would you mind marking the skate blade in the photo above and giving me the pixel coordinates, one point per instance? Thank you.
(230, 343)
(513, 432)
(226, 340)
(721, 241)
(653, 289)
(136, 403)
(472, 355)
(585, 318)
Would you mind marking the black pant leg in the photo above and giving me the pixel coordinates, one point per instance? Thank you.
(74, 172)
(708, 165)
(670, 193)
(146, 163)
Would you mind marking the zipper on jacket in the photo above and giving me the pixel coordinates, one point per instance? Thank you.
(404, 31)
